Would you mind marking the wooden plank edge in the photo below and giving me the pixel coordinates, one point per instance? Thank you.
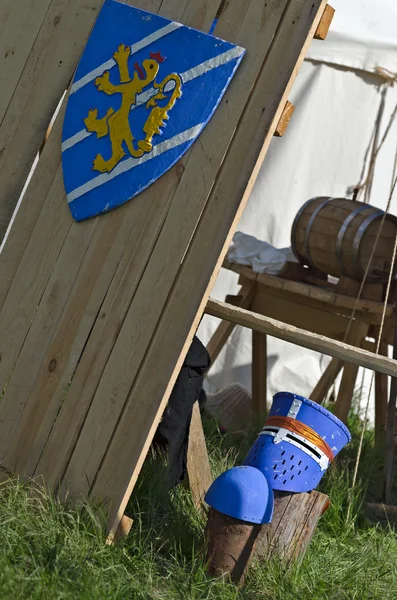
(300, 337)
(325, 23)
(285, 118)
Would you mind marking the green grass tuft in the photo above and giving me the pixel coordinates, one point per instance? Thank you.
(49, 551)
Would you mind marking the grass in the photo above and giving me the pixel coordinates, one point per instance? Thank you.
(49, 551)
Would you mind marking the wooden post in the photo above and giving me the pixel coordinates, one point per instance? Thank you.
(294, 522)
(198, 467)
(230, 546)
(381, 397)
(259, 373)
(390, 432)
(326, 380)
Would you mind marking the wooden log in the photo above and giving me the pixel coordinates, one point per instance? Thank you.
(300, 337)
(199, 474)
(230, 546)
(326, 380)
(325, 23)
(294, 522)
(285, 118)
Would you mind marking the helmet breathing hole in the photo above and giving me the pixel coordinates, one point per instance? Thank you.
(292, 457)
(283, 452)
(299, 472)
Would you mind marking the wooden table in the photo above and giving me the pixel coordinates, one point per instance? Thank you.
(319, 310)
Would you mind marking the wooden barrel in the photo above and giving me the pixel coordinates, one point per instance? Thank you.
(337, 236)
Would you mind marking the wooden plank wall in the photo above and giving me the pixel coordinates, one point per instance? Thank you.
(96, 317)
(40, 44)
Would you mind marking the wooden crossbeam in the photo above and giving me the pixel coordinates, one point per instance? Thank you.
(300, 337)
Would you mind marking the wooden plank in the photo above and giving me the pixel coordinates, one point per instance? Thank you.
(218, 222)
(300, 315)
(225, 329)
(122, 531)
(43, 80)
(285, 118)
(381, 397)
(300, 337)
(115, 237)
(198, 466)
(259, 373)
(325, 23)
(326, 380)
(344, 400)
(182, 218)
(20, 22)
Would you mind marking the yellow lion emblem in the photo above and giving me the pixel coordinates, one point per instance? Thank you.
(115, 123)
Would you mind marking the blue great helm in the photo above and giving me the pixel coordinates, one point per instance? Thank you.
(242, 493)
(297, 444)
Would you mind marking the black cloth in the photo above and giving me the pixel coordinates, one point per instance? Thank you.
(173, 431)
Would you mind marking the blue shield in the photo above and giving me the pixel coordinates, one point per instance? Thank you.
(143, 91)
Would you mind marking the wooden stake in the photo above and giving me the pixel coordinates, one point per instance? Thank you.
(198, 467)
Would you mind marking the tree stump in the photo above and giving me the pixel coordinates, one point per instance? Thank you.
(294, 522)
(231, 544)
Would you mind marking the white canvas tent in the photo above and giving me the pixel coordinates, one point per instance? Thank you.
(337, 96)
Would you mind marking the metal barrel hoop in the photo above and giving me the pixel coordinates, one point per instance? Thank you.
(341, 235)
(358, 238)
(309, 226)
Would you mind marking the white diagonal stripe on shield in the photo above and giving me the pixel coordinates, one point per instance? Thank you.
(131, 163)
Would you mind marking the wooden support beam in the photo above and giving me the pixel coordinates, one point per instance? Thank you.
(284, 119)
(198, 467)
(326, 380)
(259, 372)
(325, 23)
(343, 404)
(300, 337)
